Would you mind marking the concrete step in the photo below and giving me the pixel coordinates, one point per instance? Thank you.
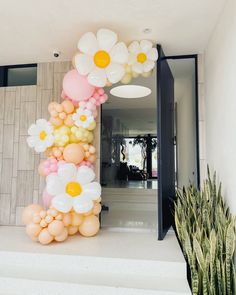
(93, 285)
(110, 263)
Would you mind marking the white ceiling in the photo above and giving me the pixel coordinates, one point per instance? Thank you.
(31, 29)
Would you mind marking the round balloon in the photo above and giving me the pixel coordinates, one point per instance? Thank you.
(73, 153)
(90, 226)
(29, 211)
(76, 86)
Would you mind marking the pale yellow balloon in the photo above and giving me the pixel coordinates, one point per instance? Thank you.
(29, 211)
(90, 226)
(135, 75)
(76, 219)
(147, 74)
(92, 126)
(63, 236)
(56, 227)
(33, 229)
(126, 79)
(72, 230)
(44, 237)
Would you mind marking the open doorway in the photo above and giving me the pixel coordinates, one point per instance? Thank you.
(129, 175)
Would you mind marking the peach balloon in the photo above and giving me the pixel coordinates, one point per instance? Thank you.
(52, 106)
(88, 213)
(92, 158)
(72, 230)
(67, 106)
(56, 121)
(97, 208)
(73, 153)
(90, 226)
(41, 169)
(56, 227)
(29, 211)
(62, 237)
(67, 219)
(76, 219)
(68, 121)
(45, 237)
(36, 218)
(33, 229)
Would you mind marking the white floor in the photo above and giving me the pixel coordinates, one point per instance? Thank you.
(110, 263)
(130, 209)
(130, 220)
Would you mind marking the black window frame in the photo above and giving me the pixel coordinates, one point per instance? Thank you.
(4, 73)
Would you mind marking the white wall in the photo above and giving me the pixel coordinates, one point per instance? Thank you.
(186, 131)
(220, 87)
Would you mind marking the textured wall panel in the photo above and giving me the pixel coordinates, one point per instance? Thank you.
(20, 183)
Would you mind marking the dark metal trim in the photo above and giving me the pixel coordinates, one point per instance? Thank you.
(195, 57)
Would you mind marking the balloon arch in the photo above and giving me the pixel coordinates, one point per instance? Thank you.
(71, 197)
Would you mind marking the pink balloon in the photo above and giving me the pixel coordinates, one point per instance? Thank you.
(76, 86)
(47, 199)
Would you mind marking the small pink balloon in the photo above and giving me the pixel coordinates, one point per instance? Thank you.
(76, 86)
(47, 199)
(53, 167)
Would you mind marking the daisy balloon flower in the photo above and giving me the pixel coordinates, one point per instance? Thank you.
(142, 56)
(40, 135)
(101, 57)
(73, 188)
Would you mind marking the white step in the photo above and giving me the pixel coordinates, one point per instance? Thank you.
(111, 263)
(130, 198)
(16, 286)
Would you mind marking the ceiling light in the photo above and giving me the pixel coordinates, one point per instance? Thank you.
(147, 31)
(130, 91)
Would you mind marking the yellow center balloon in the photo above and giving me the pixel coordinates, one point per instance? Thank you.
(141, 57)
(83, 118)
(102, 59)
(42, 135)
(73, 189)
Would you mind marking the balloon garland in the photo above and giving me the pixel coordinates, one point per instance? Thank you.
(71, 197)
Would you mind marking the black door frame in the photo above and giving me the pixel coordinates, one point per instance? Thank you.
(195, 57)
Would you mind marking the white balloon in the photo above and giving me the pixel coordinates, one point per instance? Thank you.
(97, 77)
(85, 175)
(88, 43)
(93, 190)
(84, 63)
(119, 53)
(82, 204)
(106, 39)
(62, 203)
(115, 72)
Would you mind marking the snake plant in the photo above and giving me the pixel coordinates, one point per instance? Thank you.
(206, 231)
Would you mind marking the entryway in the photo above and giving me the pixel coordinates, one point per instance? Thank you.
(149, 147)
(129, 160)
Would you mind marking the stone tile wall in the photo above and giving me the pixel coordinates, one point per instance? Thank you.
(20, 184)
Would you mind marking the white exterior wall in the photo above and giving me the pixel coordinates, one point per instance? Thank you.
(220, 93)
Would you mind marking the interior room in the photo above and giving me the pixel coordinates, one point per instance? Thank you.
(129, 173)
